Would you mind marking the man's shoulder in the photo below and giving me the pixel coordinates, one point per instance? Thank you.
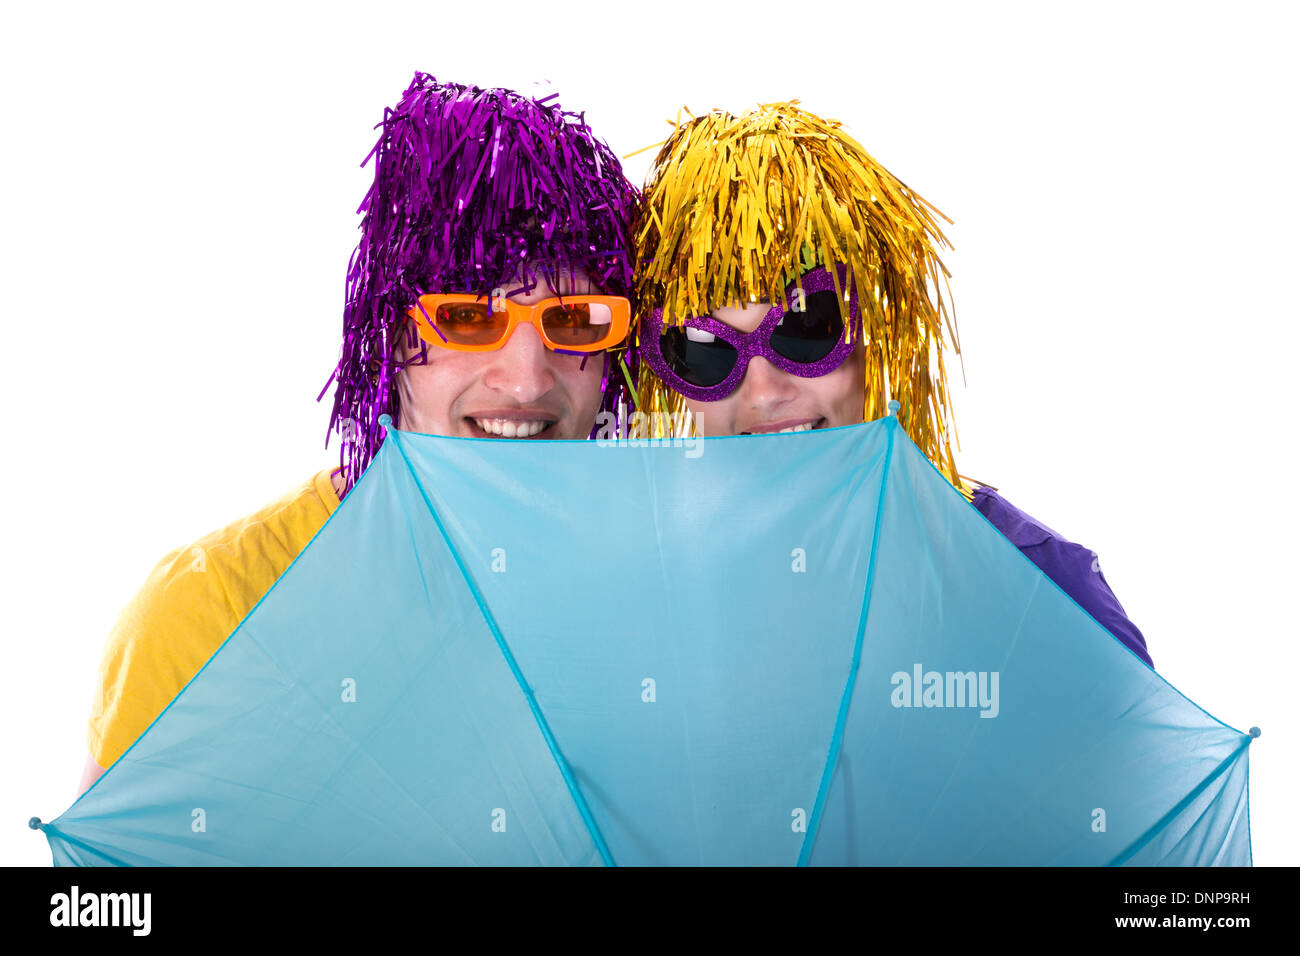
(192, 600)
(274, 533)
(225, 572)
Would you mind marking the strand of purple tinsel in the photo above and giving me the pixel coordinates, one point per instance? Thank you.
(471, 188)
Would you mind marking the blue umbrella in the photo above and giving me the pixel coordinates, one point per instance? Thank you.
(771, 650)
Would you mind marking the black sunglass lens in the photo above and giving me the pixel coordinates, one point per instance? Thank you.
(809, 335)
(697, 357)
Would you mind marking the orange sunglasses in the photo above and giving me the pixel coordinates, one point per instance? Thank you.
(572, 323)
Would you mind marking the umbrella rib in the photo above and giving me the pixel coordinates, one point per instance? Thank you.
(1179, 807)
(1243, 806)
(49, 828)
(569, 781)
(1193, 830)
(837, 737)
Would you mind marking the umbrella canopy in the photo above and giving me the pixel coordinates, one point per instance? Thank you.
(771, 650)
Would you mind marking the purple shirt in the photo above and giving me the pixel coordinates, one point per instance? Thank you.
(1073, 567)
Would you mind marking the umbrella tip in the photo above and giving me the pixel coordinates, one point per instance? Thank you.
(1254, 731)
(386, 420)
(894, 406)
(34, 823)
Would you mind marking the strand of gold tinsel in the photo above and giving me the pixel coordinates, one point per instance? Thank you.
(736, 209)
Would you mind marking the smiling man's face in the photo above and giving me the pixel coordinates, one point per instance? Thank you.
(522, 390)
(770, 400)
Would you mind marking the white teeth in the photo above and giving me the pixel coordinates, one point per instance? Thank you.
(797, 428)
(510, 428)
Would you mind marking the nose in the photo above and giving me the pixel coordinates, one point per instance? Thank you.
(765, 388)
(521, 369)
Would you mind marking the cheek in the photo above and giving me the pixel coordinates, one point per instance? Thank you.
(430, 389)
(576, 391)
(582, 384)
(713, 418)
(844, 391)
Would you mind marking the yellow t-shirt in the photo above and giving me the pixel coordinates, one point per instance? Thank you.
(191, 602)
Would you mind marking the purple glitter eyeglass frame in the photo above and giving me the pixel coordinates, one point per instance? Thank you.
(749, 344)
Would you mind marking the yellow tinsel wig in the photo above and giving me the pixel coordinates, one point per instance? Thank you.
(735, 209)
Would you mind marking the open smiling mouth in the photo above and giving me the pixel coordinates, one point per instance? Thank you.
(778, 428)
(510, 428)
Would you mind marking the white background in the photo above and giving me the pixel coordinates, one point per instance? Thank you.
(180, 190)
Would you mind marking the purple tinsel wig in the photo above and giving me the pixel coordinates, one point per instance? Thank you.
(473, 190)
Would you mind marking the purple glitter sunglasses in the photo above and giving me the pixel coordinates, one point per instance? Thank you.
(706, 359)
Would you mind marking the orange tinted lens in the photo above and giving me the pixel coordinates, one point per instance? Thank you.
(584, 323)
(470, 323)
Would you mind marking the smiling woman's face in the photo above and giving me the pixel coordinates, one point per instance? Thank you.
(522, 390)
(769, 399)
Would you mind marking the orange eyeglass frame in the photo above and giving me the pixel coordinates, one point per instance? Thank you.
(519, 314)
